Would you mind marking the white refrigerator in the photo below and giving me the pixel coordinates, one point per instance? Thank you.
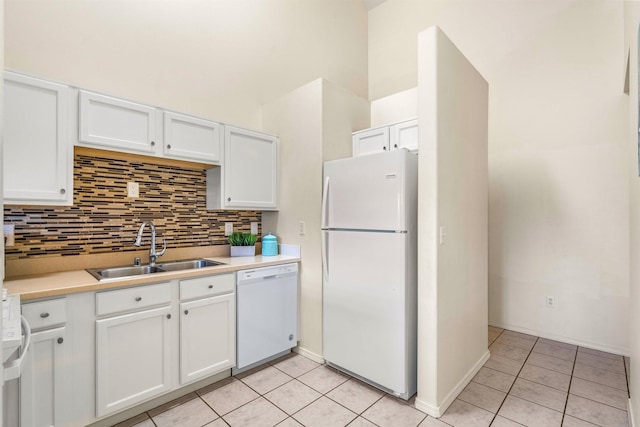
(369, 221)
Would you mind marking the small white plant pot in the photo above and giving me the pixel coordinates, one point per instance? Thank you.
(243, 250)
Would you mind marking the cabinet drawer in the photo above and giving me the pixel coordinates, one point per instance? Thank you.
(45, 314)
(135, 298)
(207, 286)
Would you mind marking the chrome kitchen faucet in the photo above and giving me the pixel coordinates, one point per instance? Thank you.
(153, 255)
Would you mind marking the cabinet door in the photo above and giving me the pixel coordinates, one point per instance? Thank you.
(250, 170)
(371, 141)
(207, 337)
(112, 123)
(44, 391)
(38, 158)
(132, 359)
(404, 135)
(191, 138)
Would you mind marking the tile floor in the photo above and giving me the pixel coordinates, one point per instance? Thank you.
(527, 381)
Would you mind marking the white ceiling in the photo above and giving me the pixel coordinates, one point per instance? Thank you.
(370, 4)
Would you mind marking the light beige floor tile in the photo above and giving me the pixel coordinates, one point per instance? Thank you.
(390, 412)
(570, 421)
(292, 396)
(290, 422)
(324, 412)
(613, 365)
(599, 353)
(595, 412)
(141, 420)
(217, 423)
(508, 351)
(296, 365)
(549, 362)
(520, 335)
(266, 380)
(252, 371)
(482, 396)
(430, 422)
(600, 376)
(216, 385)
(229, 397)
(540, 394)
(545, 377)
(503, 364)
(555, 351)
(463, 414)
(503, 422)
(529, 413)
(600, 393)
(323, 379)
(172, 404)
(258, 413)
(558, 343)
(362, 422)
(194, 413)
(514, 341)
(355, 395)
(494, 379)
(495, 329)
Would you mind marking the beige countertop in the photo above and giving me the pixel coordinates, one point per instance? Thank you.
(47, 285)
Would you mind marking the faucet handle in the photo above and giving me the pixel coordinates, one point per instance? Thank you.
(136, 261)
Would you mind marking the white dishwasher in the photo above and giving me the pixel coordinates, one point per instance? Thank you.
(267, 314)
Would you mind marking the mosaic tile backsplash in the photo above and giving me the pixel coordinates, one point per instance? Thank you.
(102, 218)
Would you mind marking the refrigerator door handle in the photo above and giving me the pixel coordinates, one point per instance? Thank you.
(325, 192)
(325, 265)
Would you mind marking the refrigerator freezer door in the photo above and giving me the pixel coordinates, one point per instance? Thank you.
(364, 312)
(368, 192)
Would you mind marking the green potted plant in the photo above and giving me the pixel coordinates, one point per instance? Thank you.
(243, 244)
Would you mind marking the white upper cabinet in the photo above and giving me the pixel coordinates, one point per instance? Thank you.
(386, 138)
(38, 158)
(250, 170)
(191, 138)
(115, 124)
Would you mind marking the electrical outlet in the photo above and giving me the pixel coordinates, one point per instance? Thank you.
(133, 189)
(228, 228)
(550, 302)
(9, 235)
(301, 228)
(254, 228)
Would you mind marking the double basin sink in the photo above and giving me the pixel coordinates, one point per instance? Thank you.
(140, 270)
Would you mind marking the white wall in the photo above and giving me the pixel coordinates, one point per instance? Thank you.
(632, 21)
(452, 193)
(559, 219)
(314, 123)
(395, 108)
(218, 59)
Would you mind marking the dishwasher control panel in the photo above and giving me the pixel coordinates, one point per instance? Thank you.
(266, 272)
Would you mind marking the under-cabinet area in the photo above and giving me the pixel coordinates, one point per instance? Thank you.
(96, 355)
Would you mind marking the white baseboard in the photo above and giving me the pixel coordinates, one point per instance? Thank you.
(630, 414)
(582, 343)
(438, 411)
(309, 355)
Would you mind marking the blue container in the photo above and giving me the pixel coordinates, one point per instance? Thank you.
(269, 245)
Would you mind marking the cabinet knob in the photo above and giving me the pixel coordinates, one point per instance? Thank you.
(138, 299)
(44, 315)
(153, 143)
(62, 191)
(291, 337)
(168, 316)
(169, 146)
(228, 199)
(60, 340)
(395, 145)
(186, 312)
(210, 286)
(384, 148)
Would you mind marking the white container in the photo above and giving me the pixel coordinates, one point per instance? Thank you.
(243, 250)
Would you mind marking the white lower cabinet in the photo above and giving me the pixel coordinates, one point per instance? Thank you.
(205, 349)
(44, 391)
(133, 359)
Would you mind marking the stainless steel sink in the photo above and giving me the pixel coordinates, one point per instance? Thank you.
(139, 270)
(188, 264)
